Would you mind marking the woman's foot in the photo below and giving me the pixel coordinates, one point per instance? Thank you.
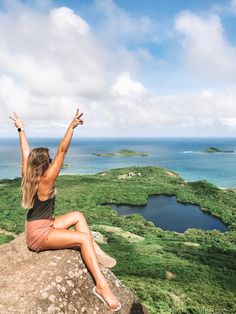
(104, 258)
(105, 293)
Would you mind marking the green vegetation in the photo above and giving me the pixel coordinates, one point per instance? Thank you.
(217, 150)
(170, 272)
(122, 152)
(5, 238)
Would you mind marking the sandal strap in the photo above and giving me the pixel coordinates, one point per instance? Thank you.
(106, 299)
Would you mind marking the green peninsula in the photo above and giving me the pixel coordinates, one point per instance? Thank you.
(170, 272)
(122, 152)
(217, 150)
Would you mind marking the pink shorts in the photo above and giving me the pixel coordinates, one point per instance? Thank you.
(36, 232)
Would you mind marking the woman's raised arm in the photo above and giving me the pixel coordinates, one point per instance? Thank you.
(25, 150)
(56, 165)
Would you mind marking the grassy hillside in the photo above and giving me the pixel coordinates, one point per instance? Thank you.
(170, 272)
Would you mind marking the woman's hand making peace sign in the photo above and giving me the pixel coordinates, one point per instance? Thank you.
(18, 122)
(76, 121)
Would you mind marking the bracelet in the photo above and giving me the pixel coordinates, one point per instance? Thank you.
(20, 129)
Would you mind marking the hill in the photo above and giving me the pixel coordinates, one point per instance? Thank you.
(170, 272)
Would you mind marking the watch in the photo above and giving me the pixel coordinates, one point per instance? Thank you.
(20, 129)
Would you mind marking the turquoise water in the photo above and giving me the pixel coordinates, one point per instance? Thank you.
(168, 214)
(182, 155)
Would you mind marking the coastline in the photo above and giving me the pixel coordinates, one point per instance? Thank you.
(164, 152)
(91, 173)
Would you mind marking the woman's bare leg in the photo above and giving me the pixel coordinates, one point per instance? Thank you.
(82, 226)
(76, 219)
(60, 238)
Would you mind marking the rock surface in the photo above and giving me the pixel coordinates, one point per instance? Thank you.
(128, 175)
(53, 281)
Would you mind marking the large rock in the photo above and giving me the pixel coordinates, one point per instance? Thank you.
(53, 281)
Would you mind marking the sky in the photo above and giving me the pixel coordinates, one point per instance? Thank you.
(147, 68)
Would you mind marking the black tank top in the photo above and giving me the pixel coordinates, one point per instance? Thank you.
(41, 209)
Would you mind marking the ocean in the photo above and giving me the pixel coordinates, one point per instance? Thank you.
(182, 155)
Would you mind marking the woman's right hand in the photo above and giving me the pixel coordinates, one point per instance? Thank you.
(76, 121)
(53, 171)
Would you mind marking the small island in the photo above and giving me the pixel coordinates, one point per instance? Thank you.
(217, 150)
(65, 166)
(122, 152)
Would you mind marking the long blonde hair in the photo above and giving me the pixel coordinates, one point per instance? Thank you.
(37, 163)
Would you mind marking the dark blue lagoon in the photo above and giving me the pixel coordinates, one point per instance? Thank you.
(168, 214)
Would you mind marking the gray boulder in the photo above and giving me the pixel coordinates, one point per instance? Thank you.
(53, 281)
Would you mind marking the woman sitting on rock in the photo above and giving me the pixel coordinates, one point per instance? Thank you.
(42, 230)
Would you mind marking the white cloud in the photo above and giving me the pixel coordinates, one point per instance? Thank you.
(119, 24)
(229, 122)
(50, 55)
(207, 93)
(205, 48)
(11, 94)
(65, 19)
(124, 86)
(53, 61)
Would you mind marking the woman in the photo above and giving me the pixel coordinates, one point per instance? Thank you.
(43, 231)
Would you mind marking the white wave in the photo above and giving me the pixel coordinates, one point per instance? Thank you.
(191, 152)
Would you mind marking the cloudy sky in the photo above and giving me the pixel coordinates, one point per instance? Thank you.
(134, 68)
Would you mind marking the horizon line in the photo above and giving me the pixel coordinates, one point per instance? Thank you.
(119, 137)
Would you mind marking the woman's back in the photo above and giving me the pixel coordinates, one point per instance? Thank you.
(44, 200)
(41, 208)
(46, 187)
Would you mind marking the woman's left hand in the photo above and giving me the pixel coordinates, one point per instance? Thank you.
(16, 119)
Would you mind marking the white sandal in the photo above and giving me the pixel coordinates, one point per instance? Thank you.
(104, 301)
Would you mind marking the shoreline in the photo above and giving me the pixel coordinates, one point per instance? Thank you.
(167, 169)
(165, 152)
